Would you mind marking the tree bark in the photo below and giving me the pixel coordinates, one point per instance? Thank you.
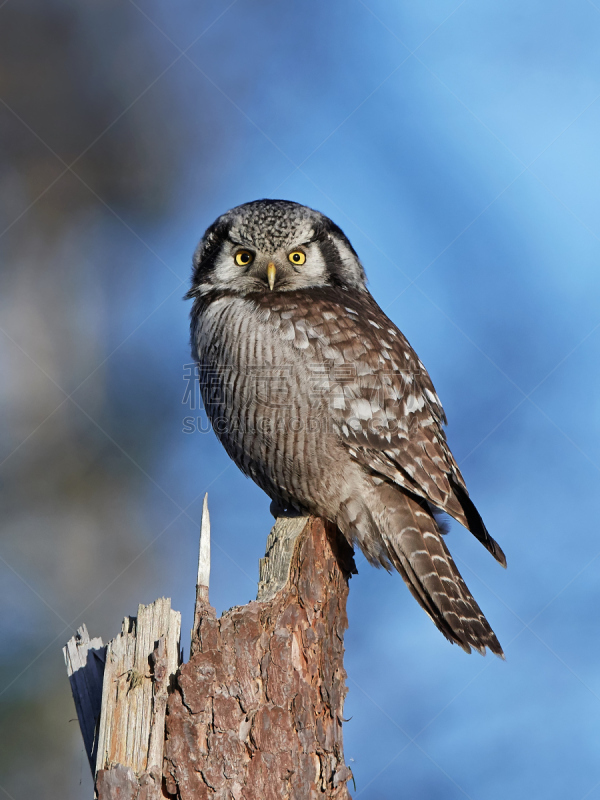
(256, 713)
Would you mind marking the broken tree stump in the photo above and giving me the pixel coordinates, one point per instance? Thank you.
(257, 711)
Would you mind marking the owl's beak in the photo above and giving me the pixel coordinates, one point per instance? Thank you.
(271, 275)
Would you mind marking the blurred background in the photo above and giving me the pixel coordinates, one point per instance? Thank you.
(456, 144)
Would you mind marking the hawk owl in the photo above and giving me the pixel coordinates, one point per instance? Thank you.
(320, 399)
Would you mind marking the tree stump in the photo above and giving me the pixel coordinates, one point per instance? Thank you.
(256, 713)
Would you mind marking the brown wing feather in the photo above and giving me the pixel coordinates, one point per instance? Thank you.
(384, 402)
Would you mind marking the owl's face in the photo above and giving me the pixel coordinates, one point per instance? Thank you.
(274, 245)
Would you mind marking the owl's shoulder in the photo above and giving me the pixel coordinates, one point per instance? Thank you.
(217, 310)
(328, 308)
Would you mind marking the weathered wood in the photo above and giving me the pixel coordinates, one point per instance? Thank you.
(140, 663)
(274, 571)
(202, 606)
(203, 580)
(84, 658)
(257, 711)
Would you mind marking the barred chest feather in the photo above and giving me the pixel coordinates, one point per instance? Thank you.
(265, 390)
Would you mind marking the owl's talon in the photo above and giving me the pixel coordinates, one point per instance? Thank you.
(277, 509)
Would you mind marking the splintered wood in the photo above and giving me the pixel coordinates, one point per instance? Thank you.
(84, 658)
(257, 711)
(140, 663)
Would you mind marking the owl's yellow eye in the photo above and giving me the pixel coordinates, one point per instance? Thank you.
(297, 257)
(243, 258)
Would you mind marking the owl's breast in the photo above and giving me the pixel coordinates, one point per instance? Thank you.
(254, 355)
(264, 383)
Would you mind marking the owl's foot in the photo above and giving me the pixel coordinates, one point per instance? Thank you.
(279, 509)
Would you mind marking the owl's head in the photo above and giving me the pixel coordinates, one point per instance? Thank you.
(274, 245)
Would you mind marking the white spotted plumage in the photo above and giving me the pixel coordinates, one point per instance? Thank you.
(320, 399)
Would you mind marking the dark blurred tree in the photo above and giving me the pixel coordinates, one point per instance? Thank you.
(70, 79)
(89, 136)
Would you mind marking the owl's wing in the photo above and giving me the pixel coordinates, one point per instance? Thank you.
(356, 372)
(386, 411)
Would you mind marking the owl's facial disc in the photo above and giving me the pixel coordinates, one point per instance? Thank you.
(274, 245)
(244, 267)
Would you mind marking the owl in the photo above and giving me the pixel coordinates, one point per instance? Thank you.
(320, 399)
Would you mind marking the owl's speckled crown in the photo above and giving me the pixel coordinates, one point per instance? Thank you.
(273, 223)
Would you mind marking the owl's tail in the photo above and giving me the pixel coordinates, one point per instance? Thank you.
(406, 535)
